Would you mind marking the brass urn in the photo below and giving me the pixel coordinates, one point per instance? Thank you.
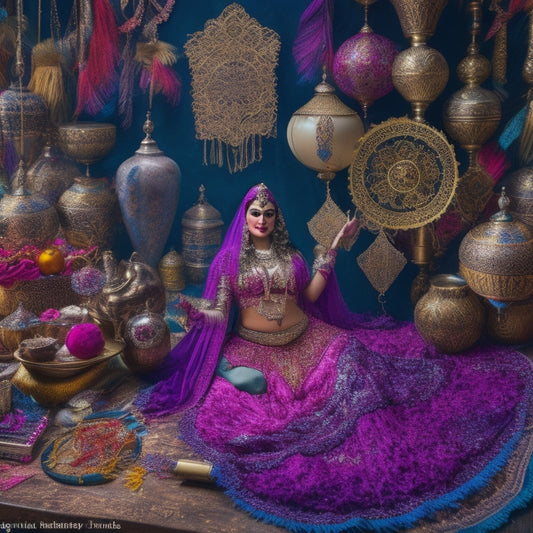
(52, 173)
(496, 257)
(26, 218)
(201, 238)
(88, 212)
(450, 315)
(171, 271)
(519, 187)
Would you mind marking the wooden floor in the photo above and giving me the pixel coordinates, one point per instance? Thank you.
(170, 504)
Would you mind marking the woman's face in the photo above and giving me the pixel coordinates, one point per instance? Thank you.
(261, 220)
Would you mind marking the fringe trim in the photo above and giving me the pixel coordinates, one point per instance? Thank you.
(393, 524)
(236, 158)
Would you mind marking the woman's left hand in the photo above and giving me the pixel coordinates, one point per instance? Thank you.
(347, 232)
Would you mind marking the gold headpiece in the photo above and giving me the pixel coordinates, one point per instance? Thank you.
(262, 197)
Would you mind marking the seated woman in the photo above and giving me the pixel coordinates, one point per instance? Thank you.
(347, 422)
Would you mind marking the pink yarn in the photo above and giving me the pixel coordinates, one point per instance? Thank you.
(85, 340)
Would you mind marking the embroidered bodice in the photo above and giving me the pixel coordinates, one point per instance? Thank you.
(265, 275)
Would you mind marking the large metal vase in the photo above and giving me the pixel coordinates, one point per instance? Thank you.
(148, 186)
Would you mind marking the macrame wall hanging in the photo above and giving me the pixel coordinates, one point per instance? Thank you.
(232, 63)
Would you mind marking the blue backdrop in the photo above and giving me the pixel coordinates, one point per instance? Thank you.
(298, 190)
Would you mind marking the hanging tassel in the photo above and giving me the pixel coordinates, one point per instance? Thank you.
(47, 80)
(157, 57)
(313, 47)
(98, 76)
(135, 478)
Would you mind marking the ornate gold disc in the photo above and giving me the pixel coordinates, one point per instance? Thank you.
(403, 174)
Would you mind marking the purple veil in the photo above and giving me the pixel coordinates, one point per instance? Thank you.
(186, 372)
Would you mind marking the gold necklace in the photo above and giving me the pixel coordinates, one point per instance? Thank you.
(271, 306)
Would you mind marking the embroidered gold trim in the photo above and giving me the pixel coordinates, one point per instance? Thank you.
(274, 338)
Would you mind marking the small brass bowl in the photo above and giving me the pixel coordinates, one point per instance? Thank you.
(39, 349)
(87, 142)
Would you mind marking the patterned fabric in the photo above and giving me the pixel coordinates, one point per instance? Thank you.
(363, 425)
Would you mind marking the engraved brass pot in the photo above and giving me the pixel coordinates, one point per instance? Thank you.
(88, 212)
(51, 174)
(511, 323)
(450, 315)
(420, 74)
(519, 187)
(496, 257)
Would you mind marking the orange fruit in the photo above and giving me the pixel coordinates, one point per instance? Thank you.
(51, 261)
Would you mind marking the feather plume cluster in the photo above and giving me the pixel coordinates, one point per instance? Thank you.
(157, 58)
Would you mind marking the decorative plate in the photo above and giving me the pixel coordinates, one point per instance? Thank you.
(403, 174)
(63, 369)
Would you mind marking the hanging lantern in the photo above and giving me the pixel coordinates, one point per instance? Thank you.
(148, 186)
(52, 173)
(362, 66)
(201, 238)
(323, 133)
(24, 119)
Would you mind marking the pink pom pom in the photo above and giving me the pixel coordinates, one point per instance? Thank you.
(85, 340)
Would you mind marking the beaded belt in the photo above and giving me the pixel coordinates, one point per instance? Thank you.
(274, 338)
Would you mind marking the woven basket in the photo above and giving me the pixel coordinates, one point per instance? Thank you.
(38, 295)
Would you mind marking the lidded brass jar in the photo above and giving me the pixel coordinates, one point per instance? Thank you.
(171, 270)
(519, 186)
(450, 315)
(201, 238)
(496, 257)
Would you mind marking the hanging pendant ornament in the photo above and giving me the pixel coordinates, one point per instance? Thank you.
(233, 62)
(23, 114)
(362, 66)
(471, 116)
(381, 263)
(25, 218)
(420, 72)
(403, 176)
(322, 135)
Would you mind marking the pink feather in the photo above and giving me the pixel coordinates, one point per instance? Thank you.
(313, 47)
(97, 78)
(494, 161)
(164, 81)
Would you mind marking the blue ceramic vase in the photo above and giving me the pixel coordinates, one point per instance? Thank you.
(148, 186)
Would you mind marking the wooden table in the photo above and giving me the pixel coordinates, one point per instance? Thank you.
(160, 505)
